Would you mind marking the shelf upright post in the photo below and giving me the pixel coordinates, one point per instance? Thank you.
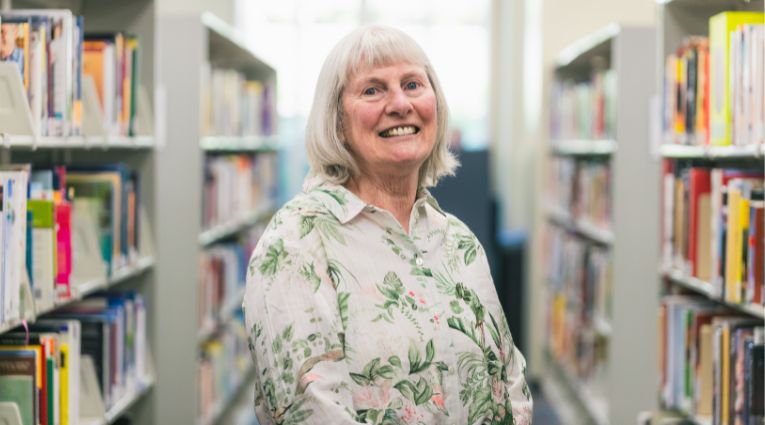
(633, 372)
(182, 40)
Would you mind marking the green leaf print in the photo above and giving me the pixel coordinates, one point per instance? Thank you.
(395, 361)
(429, 352)
(406, 388)
(424, 392)
(470, 255)
(287, 334)
(342, 303)
(274, 255)
(494, 331)
(414, 357)
(370, 367)
(333, 270)
(456, 307)
(458, 324)
(306, 225)
(329, 228)
(470, 246)
(378, 417)
(360, 379)
(334, 194)
(308, 271)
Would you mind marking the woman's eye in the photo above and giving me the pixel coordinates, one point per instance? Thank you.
(370, 91)
(411, 85)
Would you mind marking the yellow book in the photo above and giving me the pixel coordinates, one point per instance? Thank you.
(720, 27)
(725, 375)
(64, 376)
(733, 243)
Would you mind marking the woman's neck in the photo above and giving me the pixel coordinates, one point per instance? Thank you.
(393, 193)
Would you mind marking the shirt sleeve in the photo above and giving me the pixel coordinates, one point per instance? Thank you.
(295, 334)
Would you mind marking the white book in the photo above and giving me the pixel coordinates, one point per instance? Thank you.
(62, 65)
(15, 179)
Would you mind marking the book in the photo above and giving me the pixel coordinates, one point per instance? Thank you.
(17, 382)
(14, 181)
(44, 234)
(720, 28)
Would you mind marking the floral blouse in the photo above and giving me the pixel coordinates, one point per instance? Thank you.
(351, 320)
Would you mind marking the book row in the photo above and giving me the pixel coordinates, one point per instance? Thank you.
(584, 109)
(713, 227)
(59, 62)
(62, 227)
(236, 185)
(223, 269)
(222, 369)
(579, 311)
(51, 370)
(581, 187)
(233, 105)
(711, 361)
(713, 86)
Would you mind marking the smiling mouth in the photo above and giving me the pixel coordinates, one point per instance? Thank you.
(404, 130)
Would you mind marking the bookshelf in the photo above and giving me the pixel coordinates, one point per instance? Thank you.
(204, 364)
(696, 259)
(93, 147)
(599, 249)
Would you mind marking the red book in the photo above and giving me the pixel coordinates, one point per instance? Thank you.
(700, 185)
(63, 213)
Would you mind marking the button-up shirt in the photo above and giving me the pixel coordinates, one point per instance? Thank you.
(352, 320)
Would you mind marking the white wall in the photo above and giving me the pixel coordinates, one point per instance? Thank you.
(527, 36)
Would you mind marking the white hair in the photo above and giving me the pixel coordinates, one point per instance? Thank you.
(368, 46)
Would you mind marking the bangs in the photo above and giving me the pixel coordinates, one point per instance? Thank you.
(382, 48)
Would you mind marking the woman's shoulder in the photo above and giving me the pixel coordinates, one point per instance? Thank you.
(294, 218)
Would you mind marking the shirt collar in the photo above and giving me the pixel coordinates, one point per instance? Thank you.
(345, 205)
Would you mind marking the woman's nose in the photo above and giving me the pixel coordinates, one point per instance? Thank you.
(398, 103)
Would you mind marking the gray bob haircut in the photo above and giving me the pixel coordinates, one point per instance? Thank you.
(368, 46)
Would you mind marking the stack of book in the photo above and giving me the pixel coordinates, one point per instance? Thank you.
(101, 340)
(223, 271)
(713, 85)
(111, 61)
(581, 187)
(235, 106)
(236, 186)
(580, 300)
(711, 361)
(62, 227)
(584, 109)
(713, 228)
(223, 369)
(59, 63)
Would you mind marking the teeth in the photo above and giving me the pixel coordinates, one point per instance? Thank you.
(399, 131)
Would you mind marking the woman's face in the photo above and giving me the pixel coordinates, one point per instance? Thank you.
(389, 118)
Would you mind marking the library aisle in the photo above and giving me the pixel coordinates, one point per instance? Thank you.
(613, 170)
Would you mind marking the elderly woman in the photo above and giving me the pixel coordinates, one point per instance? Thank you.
(367, 303)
